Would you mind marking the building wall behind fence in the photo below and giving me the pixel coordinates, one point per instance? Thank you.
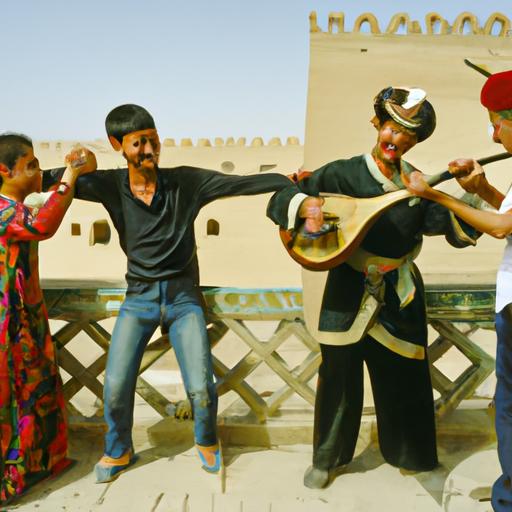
(347, 69)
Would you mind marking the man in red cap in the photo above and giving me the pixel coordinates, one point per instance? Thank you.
(496, 96)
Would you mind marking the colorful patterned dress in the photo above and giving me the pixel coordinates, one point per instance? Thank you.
(33, 436)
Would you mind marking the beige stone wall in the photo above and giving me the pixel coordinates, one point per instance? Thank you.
(347, 69)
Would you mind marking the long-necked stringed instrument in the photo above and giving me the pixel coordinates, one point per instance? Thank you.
(347, 220)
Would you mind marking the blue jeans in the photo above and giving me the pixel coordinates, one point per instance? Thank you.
(175, 305)
(502, 488)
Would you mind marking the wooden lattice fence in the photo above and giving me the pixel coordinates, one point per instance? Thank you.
(455, 313)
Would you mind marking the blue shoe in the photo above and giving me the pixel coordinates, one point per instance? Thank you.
(108, 469)
(211, 457)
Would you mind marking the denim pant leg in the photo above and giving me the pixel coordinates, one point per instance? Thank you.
(188, 335)
(502, 489)
(138, 319)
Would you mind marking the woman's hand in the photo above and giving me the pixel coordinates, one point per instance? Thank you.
(81, 160)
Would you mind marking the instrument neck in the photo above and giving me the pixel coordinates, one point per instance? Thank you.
(435, 179)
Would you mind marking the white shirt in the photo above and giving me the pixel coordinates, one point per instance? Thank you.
(504, 279)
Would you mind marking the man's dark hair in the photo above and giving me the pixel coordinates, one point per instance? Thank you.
(12, 146)
(127, 119)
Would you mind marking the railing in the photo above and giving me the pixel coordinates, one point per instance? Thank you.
(454, 312)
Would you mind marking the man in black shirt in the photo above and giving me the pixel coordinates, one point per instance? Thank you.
(153, 211)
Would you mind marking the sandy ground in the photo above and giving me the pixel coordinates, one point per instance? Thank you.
(269, 480)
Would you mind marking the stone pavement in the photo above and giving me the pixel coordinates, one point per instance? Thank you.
(168, 478)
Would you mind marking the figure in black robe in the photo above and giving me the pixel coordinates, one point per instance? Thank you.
(393, 340)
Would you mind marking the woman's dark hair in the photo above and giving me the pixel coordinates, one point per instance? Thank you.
(12, 146)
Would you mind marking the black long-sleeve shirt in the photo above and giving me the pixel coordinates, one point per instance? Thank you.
(158, 239)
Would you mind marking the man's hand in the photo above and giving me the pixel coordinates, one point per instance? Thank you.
(311, 210)
(81, 160)
(416, 184)
(469, 174)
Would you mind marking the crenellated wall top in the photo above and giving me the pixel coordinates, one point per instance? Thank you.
(231, 141)
(466, 24)
(183, 143)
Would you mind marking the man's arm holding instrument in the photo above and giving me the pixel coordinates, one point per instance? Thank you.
(495, 224)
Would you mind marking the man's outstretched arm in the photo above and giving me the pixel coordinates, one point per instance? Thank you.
(212, 185)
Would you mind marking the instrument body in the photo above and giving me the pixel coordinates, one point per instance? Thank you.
(351, 218)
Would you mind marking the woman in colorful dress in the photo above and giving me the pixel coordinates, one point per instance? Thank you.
(33, 433)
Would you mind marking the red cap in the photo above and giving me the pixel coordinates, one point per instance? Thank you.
(496, 93)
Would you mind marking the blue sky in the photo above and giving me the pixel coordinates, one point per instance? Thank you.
(203, 68)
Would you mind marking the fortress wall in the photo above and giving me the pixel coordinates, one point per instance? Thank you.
(241, 255)
(348, 69)
(246, 152)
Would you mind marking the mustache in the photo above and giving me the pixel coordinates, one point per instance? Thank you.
(147, 156)
(152, 157)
